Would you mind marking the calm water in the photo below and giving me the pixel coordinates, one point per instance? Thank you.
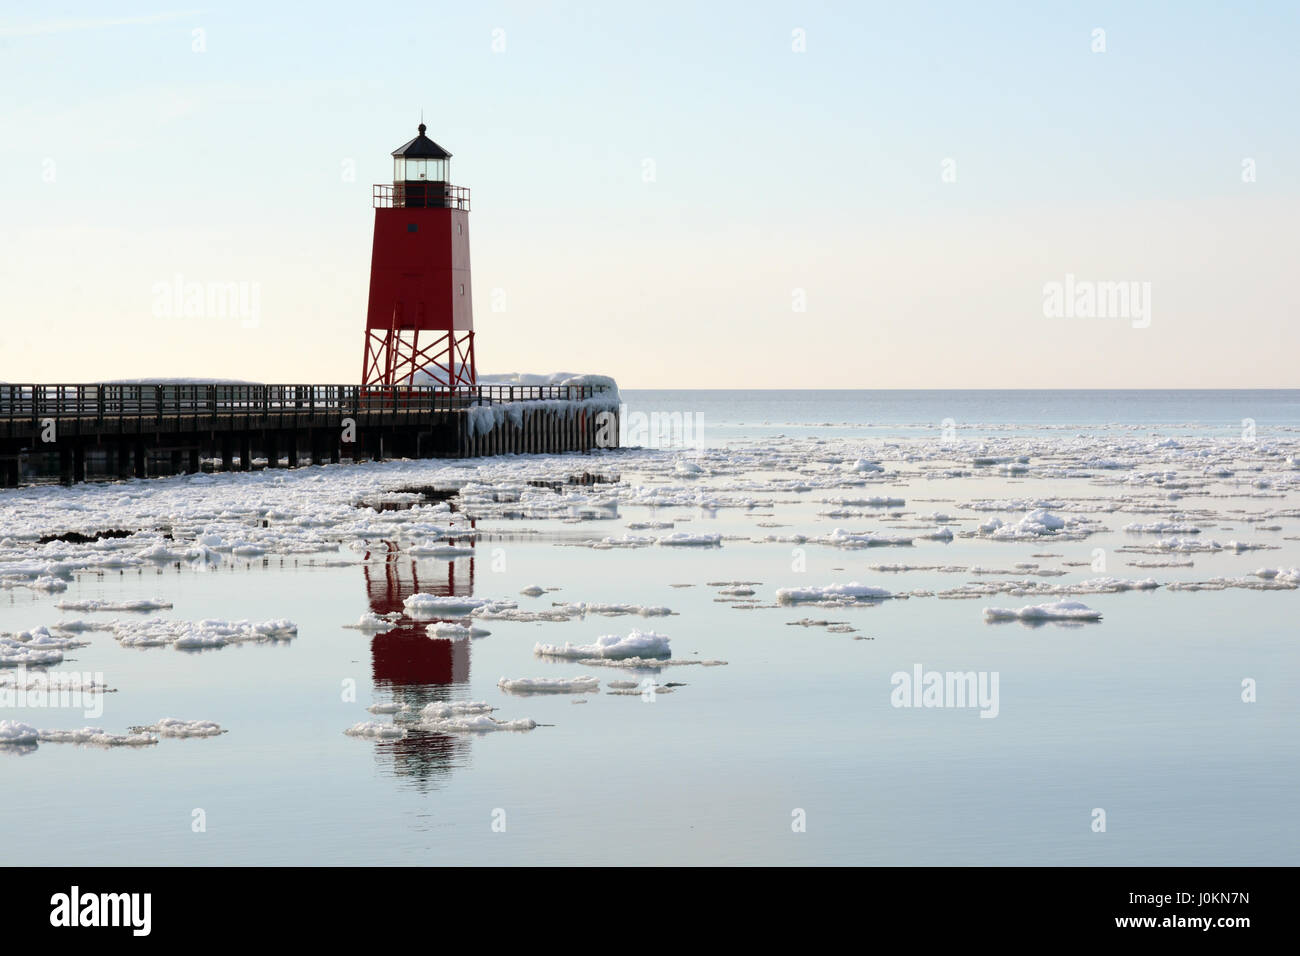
(729, 414)
(1140, 715)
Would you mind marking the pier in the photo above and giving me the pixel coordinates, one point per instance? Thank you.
(109, 431)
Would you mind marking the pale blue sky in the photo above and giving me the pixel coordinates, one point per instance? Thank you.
(127, 158)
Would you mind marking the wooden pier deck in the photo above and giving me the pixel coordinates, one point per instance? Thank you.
(77, 432)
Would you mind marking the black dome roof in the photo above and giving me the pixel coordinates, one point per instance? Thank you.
(421, 148)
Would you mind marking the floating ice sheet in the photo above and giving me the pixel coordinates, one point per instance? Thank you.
(1058, 611)
(173, 727)
(852, 593)
(523, 686)
(433, 605)
(197, 635)
(638, 644)
(137, 604)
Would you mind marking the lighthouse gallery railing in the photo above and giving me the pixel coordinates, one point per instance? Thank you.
(420, 196)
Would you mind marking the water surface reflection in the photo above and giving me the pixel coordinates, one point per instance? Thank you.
(412, 669)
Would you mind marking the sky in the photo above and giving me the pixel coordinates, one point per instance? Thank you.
(681, 195)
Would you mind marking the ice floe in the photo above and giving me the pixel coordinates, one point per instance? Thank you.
(440, 550)
(15, 734)
(376, 730)
(648, 663)
(98, 737)
(583, 608)
(442, 710)
(863, 466)
(524, 686)
(1058, 611)
(638, 644)
(1161, 527)
(37, 647)
(683, 539)
(564, 611)
(173, 727)
(475, 724)
(433, 605)
(833, 594)
(21, 680)
(1038, 523)
(372, 623)
(198, 635)
(138, 604)
(646, 687)
(455, 631)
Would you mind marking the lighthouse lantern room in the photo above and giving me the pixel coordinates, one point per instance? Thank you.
(420, 319)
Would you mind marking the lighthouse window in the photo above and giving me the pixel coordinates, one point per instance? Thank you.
(412, 227)
(459, 228)
(417, 170)
(462, 288)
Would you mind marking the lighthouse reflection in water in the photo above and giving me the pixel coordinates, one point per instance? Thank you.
(411, 668)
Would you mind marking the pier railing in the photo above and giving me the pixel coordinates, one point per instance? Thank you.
(99, 402)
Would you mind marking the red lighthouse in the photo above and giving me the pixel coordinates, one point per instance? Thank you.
(420, 321)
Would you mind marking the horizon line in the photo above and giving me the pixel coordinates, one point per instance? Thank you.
(961, 388)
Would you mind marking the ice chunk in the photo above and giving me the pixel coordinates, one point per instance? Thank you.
(479, 724)
(686, 539)
(841, 538)
(432, 605)
(863, 466)
(1057, 611)
(644, 644)
(1040, 522)
(847, 593)
(549, 685)
(13, 732)
(428, 550)
(98, 737)
(172, 727)
(1110, 585)
(195, 635)
(376, 730)
(872, 502)
(1161, 527)
(15, 652)
(455, 631)
(583, 608)
(138, 604)
(441, 710)
(373, 623)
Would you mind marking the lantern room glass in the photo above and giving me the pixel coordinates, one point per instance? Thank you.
(419, 170)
